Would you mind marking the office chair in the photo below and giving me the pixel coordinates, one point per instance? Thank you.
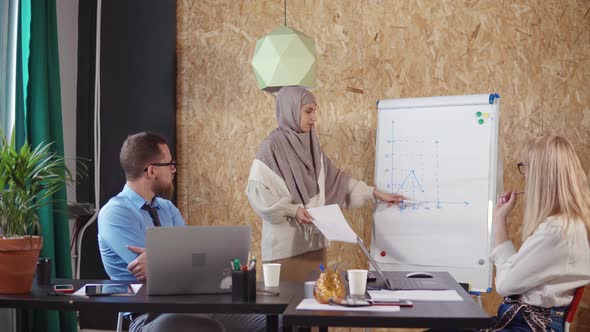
(120, 317)
(569, 318)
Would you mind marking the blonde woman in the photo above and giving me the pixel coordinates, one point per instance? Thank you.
(540, 278)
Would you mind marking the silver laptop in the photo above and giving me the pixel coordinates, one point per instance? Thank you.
(194, 259)
(373, 262)
(400, 283)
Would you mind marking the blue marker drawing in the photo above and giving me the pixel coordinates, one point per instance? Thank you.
(411, 181)
(417, 182)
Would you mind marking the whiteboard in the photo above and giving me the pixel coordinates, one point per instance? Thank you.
(442, 153)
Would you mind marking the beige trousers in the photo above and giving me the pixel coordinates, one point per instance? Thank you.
(302, 267)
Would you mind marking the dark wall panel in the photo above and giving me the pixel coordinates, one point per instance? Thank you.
(138, 79)
(138, 93)
(85, 97)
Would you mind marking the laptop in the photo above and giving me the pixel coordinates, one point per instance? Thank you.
(194, 259)
(400, 282)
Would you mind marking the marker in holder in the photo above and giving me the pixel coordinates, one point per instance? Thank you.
(243, 285)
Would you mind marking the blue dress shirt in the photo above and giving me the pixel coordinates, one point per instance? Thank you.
(122, 223)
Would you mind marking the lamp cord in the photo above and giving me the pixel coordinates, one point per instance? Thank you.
(285, 12)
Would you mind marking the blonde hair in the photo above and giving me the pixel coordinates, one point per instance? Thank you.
(556, 184)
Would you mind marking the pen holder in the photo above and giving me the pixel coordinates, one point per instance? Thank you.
(243, 285)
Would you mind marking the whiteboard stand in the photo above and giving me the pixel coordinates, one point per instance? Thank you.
(441, 153)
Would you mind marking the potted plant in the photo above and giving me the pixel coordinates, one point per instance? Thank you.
(28, 178)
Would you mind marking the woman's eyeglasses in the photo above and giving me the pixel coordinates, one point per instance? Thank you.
(172, 163)
(521, 169)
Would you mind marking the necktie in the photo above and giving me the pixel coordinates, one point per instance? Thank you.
(153, 213)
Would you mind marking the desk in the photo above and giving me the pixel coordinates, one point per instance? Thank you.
(266, 304)
(424, 314)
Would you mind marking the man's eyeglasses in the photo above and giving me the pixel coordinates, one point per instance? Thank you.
(172, 163)
(521, 169)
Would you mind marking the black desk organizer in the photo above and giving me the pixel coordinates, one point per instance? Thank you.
(243, 285)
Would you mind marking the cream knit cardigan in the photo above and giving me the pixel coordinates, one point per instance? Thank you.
(282, 236)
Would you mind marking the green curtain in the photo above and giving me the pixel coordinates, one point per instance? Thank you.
(22, 70)
(38, 118)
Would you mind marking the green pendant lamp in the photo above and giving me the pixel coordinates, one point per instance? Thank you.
(284, 57)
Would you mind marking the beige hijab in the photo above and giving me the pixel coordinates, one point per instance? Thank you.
(295, 156)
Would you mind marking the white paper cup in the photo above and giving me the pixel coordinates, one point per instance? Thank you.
(308, 287)
(272, 274)
(357, 281)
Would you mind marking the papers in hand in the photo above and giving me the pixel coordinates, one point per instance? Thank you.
(312, 304)
(415, 295)
(330, 221)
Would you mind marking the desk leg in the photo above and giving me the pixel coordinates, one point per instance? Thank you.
(272, 323)
(22, 320)
(323, 329)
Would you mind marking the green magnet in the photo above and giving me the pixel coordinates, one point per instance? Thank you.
(480, 121)
(478, 114)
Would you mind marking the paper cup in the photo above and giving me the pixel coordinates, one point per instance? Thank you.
(357, 281)
(272, 274)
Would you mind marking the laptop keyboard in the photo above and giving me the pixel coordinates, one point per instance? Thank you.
(415, 284)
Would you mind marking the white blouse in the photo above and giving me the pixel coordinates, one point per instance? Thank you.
(549, 266)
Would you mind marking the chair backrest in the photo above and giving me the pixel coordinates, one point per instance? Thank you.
(91, 268)
(569, 318)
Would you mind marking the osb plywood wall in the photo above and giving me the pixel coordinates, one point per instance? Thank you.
(535, 54)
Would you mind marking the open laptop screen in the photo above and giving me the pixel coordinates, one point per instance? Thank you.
(374, 263)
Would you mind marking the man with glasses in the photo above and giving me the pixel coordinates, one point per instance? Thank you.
(144, 202)
(122, 222)
(149, 171)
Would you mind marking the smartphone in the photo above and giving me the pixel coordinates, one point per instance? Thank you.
(108, 289)
(63, 288)
(401, 303)
(350, 302)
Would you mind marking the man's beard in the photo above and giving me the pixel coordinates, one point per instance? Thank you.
(164, 190)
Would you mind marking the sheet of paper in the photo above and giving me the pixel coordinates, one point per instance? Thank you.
(312, 304)
(417, 295)
(330, 221)
(82, 290)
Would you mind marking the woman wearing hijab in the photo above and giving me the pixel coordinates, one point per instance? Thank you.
(291, 173)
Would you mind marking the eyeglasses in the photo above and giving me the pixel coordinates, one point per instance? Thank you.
(172, 163)
(521, 169)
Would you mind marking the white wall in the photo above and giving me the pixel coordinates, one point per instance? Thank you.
(67, 28)
(67, 32)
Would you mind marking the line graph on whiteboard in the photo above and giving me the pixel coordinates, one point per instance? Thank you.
(412, 168)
